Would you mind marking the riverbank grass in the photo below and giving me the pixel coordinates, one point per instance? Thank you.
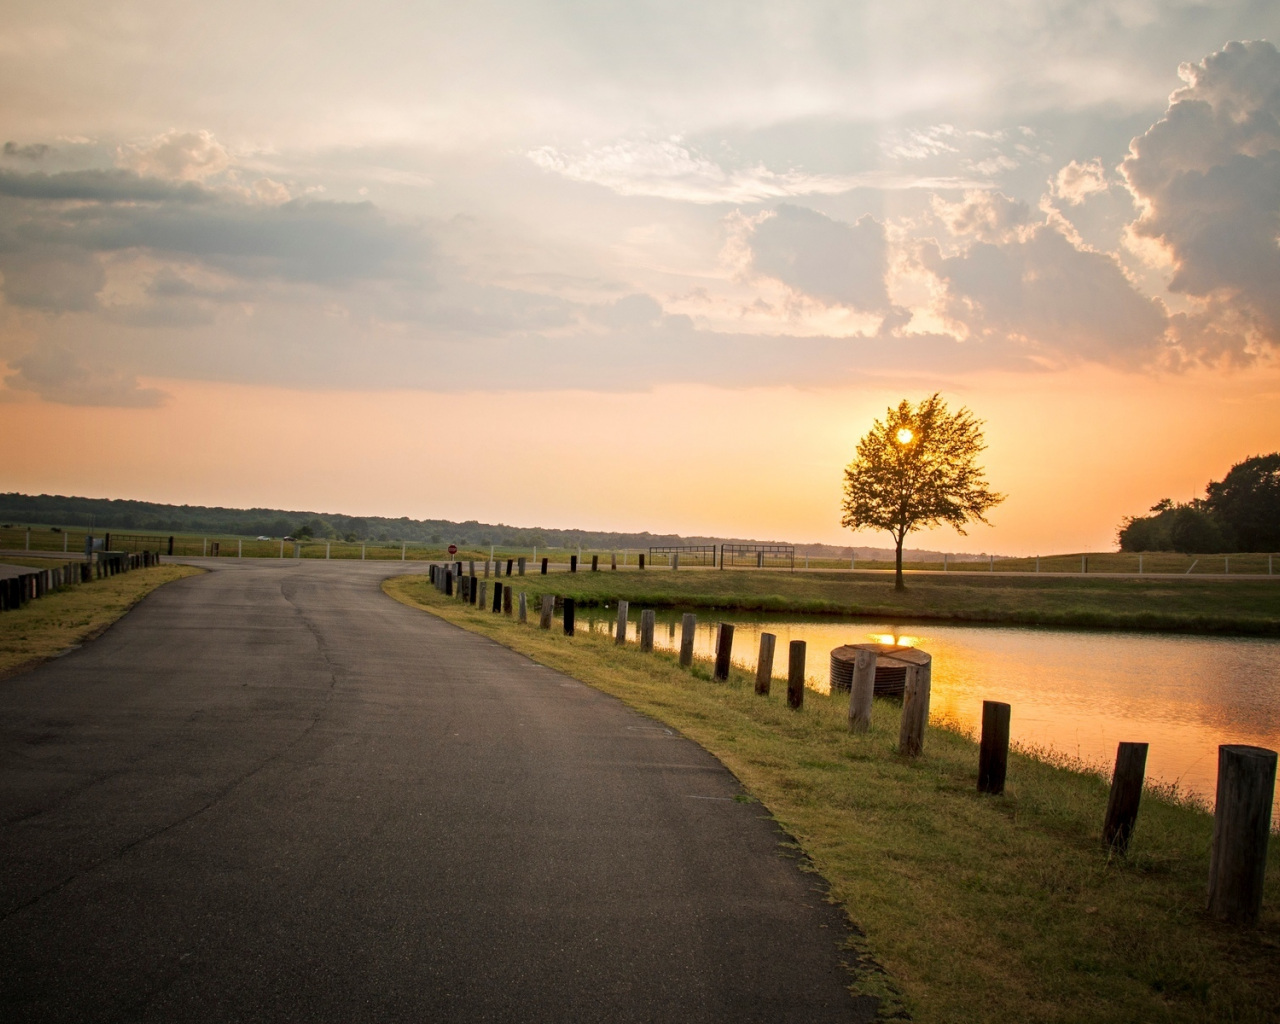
(72, 615)
(1178, 604)
(977, 908)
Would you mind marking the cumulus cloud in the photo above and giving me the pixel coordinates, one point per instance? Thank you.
(831, 260)
(1207, 179)
(57, 375)
(34, 151)
(177, 156)
(1078, 181)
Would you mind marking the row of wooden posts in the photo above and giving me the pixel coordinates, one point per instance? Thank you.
(18, 590)
(1246, 775)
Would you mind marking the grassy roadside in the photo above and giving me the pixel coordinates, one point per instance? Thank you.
(979, 908)
(1175, 604)
(72, 615)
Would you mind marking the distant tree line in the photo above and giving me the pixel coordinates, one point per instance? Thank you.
(1240, 512)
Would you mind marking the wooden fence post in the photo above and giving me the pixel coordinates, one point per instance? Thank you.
(510, 565)
(569, 621)
(675, 560)
(993, 754)
(641, 559)
(646, 630)
(795, 674)
(724, 650)
(595, 563)
(544, 567)
(481, 599)
(613, 560)
(688, 627)
(915, 709)
(524, 607)
(573, 563)
(520, 564)
(620, 630)
(448, 583)
(1126, 793)
(548, 606)
(497, 596)
(764, 664)
(862, 689)
(1241, 827)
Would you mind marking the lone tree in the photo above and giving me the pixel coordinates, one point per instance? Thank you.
(918, 469)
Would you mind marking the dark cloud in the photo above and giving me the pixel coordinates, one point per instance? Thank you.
(828, 259)
(34, 151)
(98, 186)
(58, 375)
(1207, 176)
(56, 278)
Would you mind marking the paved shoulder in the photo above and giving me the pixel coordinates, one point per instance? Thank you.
(272, 793)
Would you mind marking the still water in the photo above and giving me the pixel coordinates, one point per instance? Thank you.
(1079, 693)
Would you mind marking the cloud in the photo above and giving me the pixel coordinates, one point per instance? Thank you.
(52, 277)
(987, 217)
(177, 156)
(35, 151)
(1207, 179)
(671, 170)
(831, 260)
(57, 375)
(116, 186)
(1078, 181)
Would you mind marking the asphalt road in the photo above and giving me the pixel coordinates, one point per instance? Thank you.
(271, 793)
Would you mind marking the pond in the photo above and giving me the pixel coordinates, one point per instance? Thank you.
(1076, 692)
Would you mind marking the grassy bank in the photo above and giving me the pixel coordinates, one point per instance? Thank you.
(979, 908)
(1176, 604)
(72, 615)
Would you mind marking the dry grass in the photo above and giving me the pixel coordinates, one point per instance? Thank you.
(979, 908)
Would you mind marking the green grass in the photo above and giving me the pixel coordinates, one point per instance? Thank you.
(978, 908)
(1151, 603)
(74, 614)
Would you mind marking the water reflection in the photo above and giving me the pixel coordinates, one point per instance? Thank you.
(1076, 692)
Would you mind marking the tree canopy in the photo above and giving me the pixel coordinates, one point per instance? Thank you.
(917, 469)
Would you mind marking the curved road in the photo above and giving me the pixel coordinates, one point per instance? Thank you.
(271, 793)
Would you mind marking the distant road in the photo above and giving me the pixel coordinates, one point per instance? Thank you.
(271, 793)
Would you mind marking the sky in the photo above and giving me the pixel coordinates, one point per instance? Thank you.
(637, 266)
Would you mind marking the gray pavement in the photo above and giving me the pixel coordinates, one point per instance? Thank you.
(271, 793)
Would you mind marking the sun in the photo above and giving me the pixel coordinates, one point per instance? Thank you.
(905, 435)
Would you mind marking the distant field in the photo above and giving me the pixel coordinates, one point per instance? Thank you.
(1115, 602)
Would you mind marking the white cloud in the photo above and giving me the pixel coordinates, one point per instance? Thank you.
(177, 156)
(1078, 181)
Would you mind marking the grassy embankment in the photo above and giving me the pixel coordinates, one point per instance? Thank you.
(71, 615)
(979, 908)
(1177, 604)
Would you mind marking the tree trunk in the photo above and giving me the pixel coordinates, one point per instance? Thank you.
(898, 583)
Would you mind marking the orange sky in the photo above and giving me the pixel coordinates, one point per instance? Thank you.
(1074, 451)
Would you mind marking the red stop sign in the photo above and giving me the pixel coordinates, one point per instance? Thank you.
(453, 549)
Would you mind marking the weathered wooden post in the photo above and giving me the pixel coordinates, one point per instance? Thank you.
(568, 616)
(486, 568)
(506, 599)
(544, 567)
(448, 583)
(548, 606)
(724, 649)
(795, 674)
(915, 709)
(688, 627)
(471, 567)
(862, 690)
(641, 559)
(573, 563)
(993, 752)
(1241, 827)
(524, 608)
(620, 629)
(1126, 793)
(520, 564)
(497, 597)
(764, 664)
(646, 631)
(510, 565)
(480, 601)
(675, 560)
(613, 560)
(595, 563)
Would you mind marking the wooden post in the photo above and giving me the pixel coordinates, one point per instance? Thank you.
(544, 567)
(548, 606)
(620, 629)
(486, 568)
(573, 563)
(641, 559)
(764, 664)
(595, 563)
(688, 627)
(510, 565)
(915, 710)
(448, 583)
(568, 616)
(520, 565)
(795, 674)
(1126, 792)
(613, 560)
(524, 607)
(497, 597)
(506, 600)
(1241, 827)
(482, 594)
(861, 691)
(646, 630)
(675, 560)
(724, 649)
(993, 754)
